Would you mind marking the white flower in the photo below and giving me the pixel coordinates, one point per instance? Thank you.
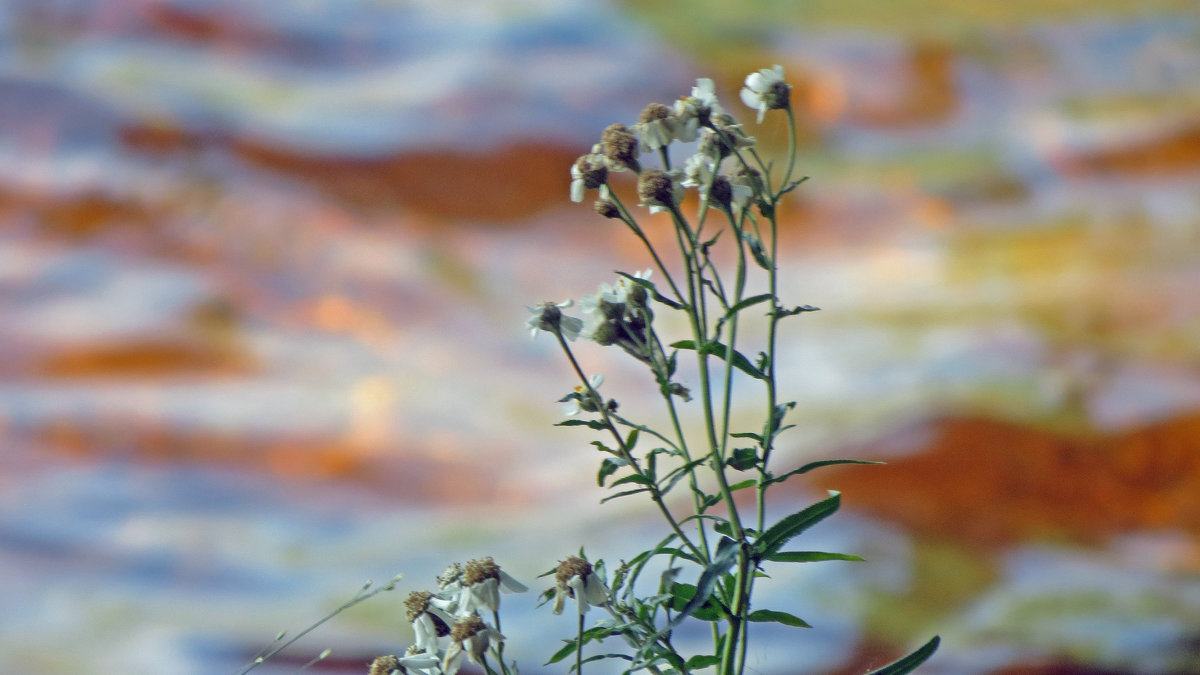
(427, 626)
(481, 583)
(576, 403)
(589, 172)
(548, 316)
(766, 90)
(655, 127)
(470, 637)
(695, 111)
(576, 579)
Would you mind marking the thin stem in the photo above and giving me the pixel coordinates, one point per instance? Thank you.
(655, 494)
(579, 646)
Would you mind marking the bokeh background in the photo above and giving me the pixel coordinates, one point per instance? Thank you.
(263, 276)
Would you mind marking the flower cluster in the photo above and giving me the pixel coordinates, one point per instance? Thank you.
(452, 611)
(698, 117)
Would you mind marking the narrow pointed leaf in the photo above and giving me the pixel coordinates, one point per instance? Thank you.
(714, 348)
(816, 465)
(777, 617)
(810, 556)
(781, 532)
(725, 557)
(909, 663)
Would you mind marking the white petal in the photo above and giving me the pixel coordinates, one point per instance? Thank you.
(595, 591)
(577, 190)
(453, 660)
(757, 82)
(750, 98)
(510, 584)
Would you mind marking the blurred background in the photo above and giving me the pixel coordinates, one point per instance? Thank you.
(263, 277)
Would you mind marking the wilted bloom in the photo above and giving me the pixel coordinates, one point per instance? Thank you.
(606, 208)
(659, 190)
(766, 90)
(589, 172)
(427, 626)
(481, 583)
(471, 637)
(414, 662)
(655, 127)
(576, 579)
(548, 316)
(620, 147)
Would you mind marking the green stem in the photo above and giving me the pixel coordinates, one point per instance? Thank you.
(655, 494)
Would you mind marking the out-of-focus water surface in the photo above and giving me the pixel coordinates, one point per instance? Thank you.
(263, 272)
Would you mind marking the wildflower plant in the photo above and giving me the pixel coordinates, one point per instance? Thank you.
(705, 569)
(716, 546)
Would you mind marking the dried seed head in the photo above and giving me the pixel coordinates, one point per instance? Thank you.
(573, 566)
(592, 169)
(384, 665)
(417, 603)
(486, 568)
(721, 191)
(453, 573)
(653, 113)
(656, 188)
(620, 146)
(606, 208)
(467, 627)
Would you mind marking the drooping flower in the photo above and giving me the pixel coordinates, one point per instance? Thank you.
(660, 190)
(427, 625)
(766, 90)
(414, 662)
(470, 637)
(576, 579)
(481, 583)
(548, 316)
(589, 172)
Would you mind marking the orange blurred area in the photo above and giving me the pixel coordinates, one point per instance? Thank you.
(991, 484)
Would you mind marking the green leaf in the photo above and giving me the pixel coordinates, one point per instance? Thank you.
(649, 286)
(623, 494)
(631, 440)
(702, 661)
(748, 302)
(591, 424)
(816, 465)
(756, 250)
(749, 482)
(635, 478)
(746, 434)
(778, 534)
(684, 594)
(714, 348)
(723, 559)
(909, 663)
(743, 459)
(777, 617)
(607, 468)
(567, 650)
(799, 309)
(810, 556)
